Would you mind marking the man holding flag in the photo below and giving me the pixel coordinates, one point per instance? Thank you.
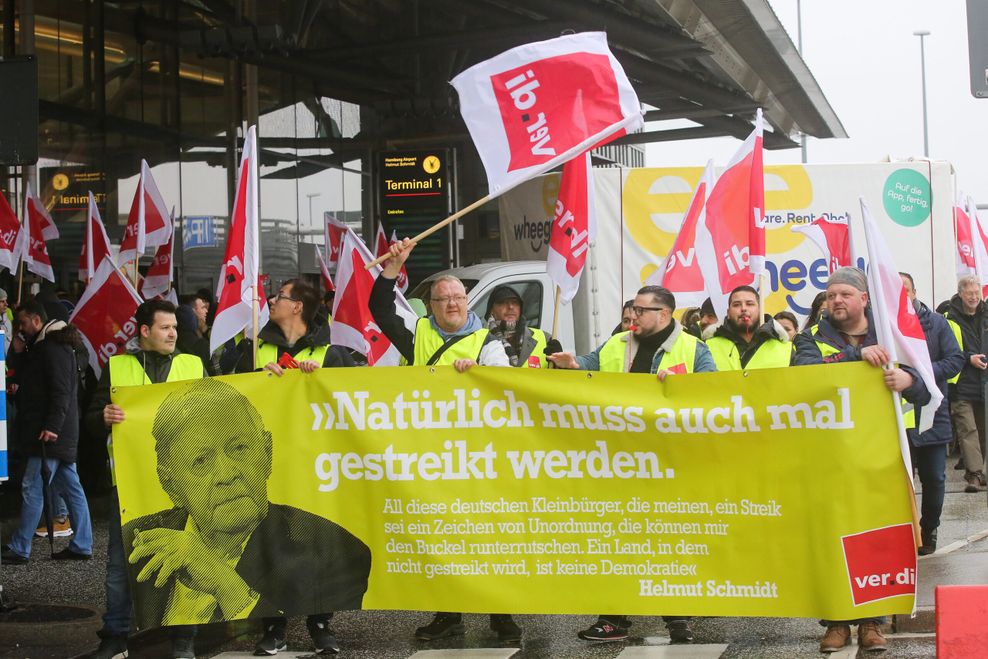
(848, 333)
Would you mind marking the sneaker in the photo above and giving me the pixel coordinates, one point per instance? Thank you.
(443, 625)
(62, 529)
(836, 638)
(870, 638)
(323, 638)
(505, 628)
(680, 632)
(69, 555)
(110, 647)
(603, 630)
(972, 483)
(183, 647)
(8, 557)
(929, 543)
(272, 642)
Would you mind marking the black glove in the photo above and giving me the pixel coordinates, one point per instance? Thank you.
(552, 346)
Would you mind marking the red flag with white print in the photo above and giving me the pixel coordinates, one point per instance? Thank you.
(539, 105)
(105, 314)
(333, 231)
(158, 280)
(239, 279)
(680, 270)
(31, 245)
(972, 243)
(10, 229)
(832, 236)
(574, 227)
(148, 222)
(897, 324)
(733, 229)
(95, 243)
(327, 280)
(402, 280)
(353, 325)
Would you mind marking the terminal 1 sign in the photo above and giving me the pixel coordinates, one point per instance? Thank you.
(413, 184)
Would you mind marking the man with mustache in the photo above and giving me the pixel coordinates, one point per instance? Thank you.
(742, 341)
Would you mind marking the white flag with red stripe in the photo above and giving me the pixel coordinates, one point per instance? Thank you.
(353, 326)
(333, 231)
(95, 244)
(10, 229)
(147, 223)
(402, 280)
(733, 231)
(680, 270)
(972, 243)
(327, 280)
(897, 325)
(31, 244)
(536, 106)
(239, 280)
(381, 247)
(105, 314)
(574, 227)
(832, 236)
(158, 280)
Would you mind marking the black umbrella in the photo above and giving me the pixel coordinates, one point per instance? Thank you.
(46, 476)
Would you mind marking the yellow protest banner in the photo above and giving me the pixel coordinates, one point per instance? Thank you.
(775, 492)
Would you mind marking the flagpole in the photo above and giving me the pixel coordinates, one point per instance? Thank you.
(434, 228)
(20, 282)
(555, 311)
(135, 272)
(254, 304)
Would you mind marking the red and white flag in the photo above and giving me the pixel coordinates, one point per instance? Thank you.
(327, 280)
(733, 231)
(680, 270)
(31, 245)
(539, 105)
(95, 244)
(239, 280)
(10, 228)
(147, 224)
(972, 243)
(333, 231)
(158, 280)
(353, 326)
(832, 236)
(897, 325)
(402, 280)
(574, 227)
(105, 314)
(381, 247)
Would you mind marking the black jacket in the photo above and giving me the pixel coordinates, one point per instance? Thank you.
(47, 397)
(947, 359)
(336, 356)
(770, 330)
(970, 384)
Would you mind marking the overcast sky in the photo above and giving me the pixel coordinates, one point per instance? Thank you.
(867, 61)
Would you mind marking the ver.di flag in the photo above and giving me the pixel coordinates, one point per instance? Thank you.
(972, 244)
(574, 227)
(158, 280)
(31, 245)
(381, 246)
(732, 235)
(327, 280)
(239, 281)
(95, 244)
(680, 270)
(105, 314)
(536, 106)
(10, 229)
(147, 223)
(897, 325)
(353, 326)
(832, 236)
(402, 281)
(333, 231)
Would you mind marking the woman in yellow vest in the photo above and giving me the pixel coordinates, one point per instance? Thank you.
(742, 341)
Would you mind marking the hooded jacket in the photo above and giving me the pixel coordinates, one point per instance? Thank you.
(947, 360)
(771, 330)
(969, 384)
(47, 397)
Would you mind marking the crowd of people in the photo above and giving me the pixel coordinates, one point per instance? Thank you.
(59, 412)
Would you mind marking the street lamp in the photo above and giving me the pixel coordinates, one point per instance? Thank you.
(922, 34)
(311, 195)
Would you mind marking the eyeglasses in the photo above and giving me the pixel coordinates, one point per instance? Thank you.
(638, 311)
(446, 299)
(282, 296)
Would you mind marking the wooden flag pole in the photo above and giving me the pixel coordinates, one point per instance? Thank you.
(20, 282)
(555, 311)
(254, 313)
(136, 261)
(434, 228)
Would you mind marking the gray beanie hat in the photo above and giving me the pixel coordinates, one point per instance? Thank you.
(850, 276)
(3, 294)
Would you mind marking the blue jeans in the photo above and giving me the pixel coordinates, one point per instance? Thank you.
(116, 620)
(931, 462)
(64, 480)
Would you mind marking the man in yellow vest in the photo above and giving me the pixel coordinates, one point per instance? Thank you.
(154, 361)
(742, 341)
(291, 340)
(657, 344)
(451, 334)
(846, 333)
(524, 345)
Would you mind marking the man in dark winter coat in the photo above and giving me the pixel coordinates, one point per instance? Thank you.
(47, 428)
(968, 315)
(929, 449)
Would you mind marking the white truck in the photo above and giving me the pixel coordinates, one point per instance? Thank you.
(639, 212)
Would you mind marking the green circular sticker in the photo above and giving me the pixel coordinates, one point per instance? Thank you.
(907, 197)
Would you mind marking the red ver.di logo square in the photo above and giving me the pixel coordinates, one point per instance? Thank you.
(881, 563)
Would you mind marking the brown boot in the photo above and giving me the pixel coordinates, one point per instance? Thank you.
(836, 638)
(870, 637)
